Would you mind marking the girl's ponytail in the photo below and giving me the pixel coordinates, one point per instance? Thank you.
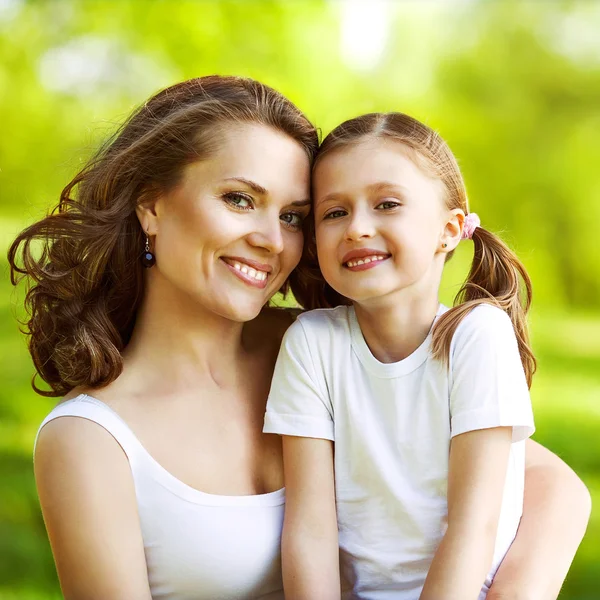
(497, 277)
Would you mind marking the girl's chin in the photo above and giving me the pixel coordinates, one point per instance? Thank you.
(365, 295)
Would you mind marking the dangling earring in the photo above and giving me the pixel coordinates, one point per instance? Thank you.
(148, 258)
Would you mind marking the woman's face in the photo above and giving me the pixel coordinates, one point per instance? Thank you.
(231, 233)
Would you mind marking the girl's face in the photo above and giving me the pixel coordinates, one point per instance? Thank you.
(380, 222)
(231, 233)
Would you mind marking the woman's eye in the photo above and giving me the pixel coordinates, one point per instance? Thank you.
(238, 200)
(292, 219)
(335, 214)
(388, 204)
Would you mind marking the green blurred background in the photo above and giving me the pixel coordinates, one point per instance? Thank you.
(513, 86)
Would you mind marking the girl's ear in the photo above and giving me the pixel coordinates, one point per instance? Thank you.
(453, 228)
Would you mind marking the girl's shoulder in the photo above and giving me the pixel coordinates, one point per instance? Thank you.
(485, 326)
(485, 317)
(273, 322)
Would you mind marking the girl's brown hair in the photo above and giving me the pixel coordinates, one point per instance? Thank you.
(82, 261)
(496, 277)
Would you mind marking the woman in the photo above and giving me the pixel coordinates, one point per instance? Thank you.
(154, 476)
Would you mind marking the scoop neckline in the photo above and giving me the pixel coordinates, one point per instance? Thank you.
(395, 369)
(179, 487)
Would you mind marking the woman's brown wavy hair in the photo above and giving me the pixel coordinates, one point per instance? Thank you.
(82, 261)
(496, 277)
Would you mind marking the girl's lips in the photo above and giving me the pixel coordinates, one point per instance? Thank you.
(246, 277)
(373, 262)
(362, 253)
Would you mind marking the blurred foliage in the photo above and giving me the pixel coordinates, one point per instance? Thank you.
(513, 87)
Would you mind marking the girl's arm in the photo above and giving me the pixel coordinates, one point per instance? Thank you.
(310, 554)
(88, 501)
(476, 479)
(556, 511)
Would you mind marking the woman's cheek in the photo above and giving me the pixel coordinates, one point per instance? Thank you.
(292, 252)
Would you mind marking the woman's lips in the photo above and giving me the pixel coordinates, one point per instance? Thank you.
(245, 271)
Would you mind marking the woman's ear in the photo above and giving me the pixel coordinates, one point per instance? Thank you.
(146, 213)
(452, 231)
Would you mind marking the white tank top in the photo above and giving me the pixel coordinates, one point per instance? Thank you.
(197, 545)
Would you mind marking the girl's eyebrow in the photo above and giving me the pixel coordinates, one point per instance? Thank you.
(385, 185)
(379, 186)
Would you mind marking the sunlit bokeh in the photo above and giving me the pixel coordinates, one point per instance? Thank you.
(513, 86)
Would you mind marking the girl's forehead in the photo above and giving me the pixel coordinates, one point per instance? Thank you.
(367, 162)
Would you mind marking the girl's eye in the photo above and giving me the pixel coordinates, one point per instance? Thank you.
(238, 200)
(292, 220)
(387, 204)
(335, 214)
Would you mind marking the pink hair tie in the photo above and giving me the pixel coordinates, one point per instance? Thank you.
(472, 222)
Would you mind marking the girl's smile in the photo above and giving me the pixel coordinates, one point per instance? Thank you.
(363, 259)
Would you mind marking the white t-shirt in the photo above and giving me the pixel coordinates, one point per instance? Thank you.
(392, 425)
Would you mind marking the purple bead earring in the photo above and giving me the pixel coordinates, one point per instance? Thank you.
(148, 259)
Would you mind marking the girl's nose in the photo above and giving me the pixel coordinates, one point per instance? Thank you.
(359, 227)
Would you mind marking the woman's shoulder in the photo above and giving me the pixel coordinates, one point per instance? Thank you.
(74, 453)
(80, 428)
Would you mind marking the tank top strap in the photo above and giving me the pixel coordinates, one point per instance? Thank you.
(86, 407)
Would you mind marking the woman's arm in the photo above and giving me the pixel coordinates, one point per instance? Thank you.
(556, 511)
(476, 479)
(310, 555)
(88, 501)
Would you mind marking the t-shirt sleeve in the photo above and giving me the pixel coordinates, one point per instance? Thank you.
(488, 383)
(298, 402)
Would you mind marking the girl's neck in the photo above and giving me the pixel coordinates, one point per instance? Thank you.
(393, 330)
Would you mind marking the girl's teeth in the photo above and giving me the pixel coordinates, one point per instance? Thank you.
(363, 261)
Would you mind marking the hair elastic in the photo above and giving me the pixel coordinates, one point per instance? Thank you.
(472, 222)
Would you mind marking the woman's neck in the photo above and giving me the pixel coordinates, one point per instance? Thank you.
(179, 343)
(395, 328)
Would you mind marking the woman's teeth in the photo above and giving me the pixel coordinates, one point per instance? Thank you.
(363, 261)
(258, 275)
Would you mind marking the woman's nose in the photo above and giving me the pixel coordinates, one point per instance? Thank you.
(268, 235)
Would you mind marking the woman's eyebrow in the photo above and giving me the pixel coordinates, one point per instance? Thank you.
(259, 189)
(301, 202)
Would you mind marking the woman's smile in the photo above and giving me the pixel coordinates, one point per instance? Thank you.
(249, 271)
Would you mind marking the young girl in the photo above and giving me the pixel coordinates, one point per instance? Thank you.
(428, 406)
